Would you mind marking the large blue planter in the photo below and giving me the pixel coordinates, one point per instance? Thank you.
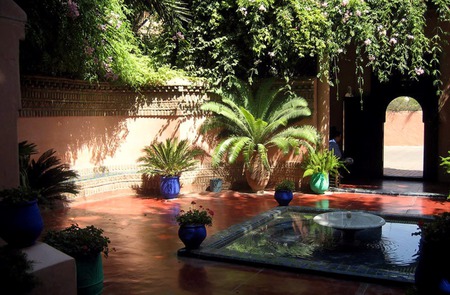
(432, 275)
(20, 224)
(319, 183)
(170, 186)
(192, 235)
(283, 197)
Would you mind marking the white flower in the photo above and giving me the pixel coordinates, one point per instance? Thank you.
(345, 2)
(243, 10)
(393, 41)
(340, 50)
(262, 8)
(410, 37)
(419, 71)
(324, 4)
(383, 33)
(371, 57)
(367, 42)
(358, 13)
(271, 53)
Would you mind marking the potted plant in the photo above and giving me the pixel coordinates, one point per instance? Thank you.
(169, 159)
(284, 192)
(320, 164)
(16, 271)
(193, 224)
(85, 245)
(46, 174)
(249, 121)
(432, 274)
(20, 218)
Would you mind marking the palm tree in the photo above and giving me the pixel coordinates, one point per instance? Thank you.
(252, 122)
(47, 175)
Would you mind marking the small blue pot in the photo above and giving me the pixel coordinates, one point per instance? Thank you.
(192, 235)
(283, 197)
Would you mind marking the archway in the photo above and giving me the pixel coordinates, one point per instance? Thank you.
(403, 143)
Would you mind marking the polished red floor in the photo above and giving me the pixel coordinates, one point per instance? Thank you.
(143, 233)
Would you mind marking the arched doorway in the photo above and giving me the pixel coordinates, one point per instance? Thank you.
(403, 143)
(364, 126)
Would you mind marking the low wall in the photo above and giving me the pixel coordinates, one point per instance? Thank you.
(101, 129)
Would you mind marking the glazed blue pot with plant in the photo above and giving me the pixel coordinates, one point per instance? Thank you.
(193, 222)
(284, 192)
(170, 186)
(21, 222)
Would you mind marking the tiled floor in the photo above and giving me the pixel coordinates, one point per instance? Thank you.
(143, 232)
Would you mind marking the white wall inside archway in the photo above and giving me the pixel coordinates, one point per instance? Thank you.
(403, 139)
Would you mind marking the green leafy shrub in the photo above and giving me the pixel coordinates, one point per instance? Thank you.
(16, 272)
(79, 242)
(322, 161)
(46, 175)
(169, 158)
(285, 185)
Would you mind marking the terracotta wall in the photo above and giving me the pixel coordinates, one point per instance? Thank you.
(101, 130)
(403, 128)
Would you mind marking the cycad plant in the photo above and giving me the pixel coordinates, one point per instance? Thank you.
(47, 175)
(169, 158)
(250, 122)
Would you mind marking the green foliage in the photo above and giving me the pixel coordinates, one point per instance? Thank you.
(18, 195)
(278, 38)
(322, 161)
(445, 162)
(169, 158)
(47, 175)
(78, 242)
(91, 40)
(195, 216)
(249, 122)
(285, 185)
(16, 275)
(437, 231)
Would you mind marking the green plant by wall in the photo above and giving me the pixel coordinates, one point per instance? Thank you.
(277, 38)
(91, 40)
(445, 162)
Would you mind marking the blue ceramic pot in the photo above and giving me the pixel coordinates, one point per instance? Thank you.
(20, 224)
(170, 186)
(192, 235)
(283, 197)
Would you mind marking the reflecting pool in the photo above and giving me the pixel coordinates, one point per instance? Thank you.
(289, 238)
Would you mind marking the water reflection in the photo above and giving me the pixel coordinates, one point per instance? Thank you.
(194, 279)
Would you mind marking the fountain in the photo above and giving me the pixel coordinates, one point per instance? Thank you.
(345, 243)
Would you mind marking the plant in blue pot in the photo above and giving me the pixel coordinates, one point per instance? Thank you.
(193, 222)
(284, 192)
(432, 275)
(320, 164)
(20, 218)
(169, 159)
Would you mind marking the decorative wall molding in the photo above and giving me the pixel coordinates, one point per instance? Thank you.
(49, 97)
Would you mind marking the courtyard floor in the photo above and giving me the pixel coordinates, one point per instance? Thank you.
(143, 234)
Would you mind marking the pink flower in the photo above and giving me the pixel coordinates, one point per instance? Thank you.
(89, 50)
(368, 42)
(73, 12)
(345, 2)
(419, 71)
(393, 41)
